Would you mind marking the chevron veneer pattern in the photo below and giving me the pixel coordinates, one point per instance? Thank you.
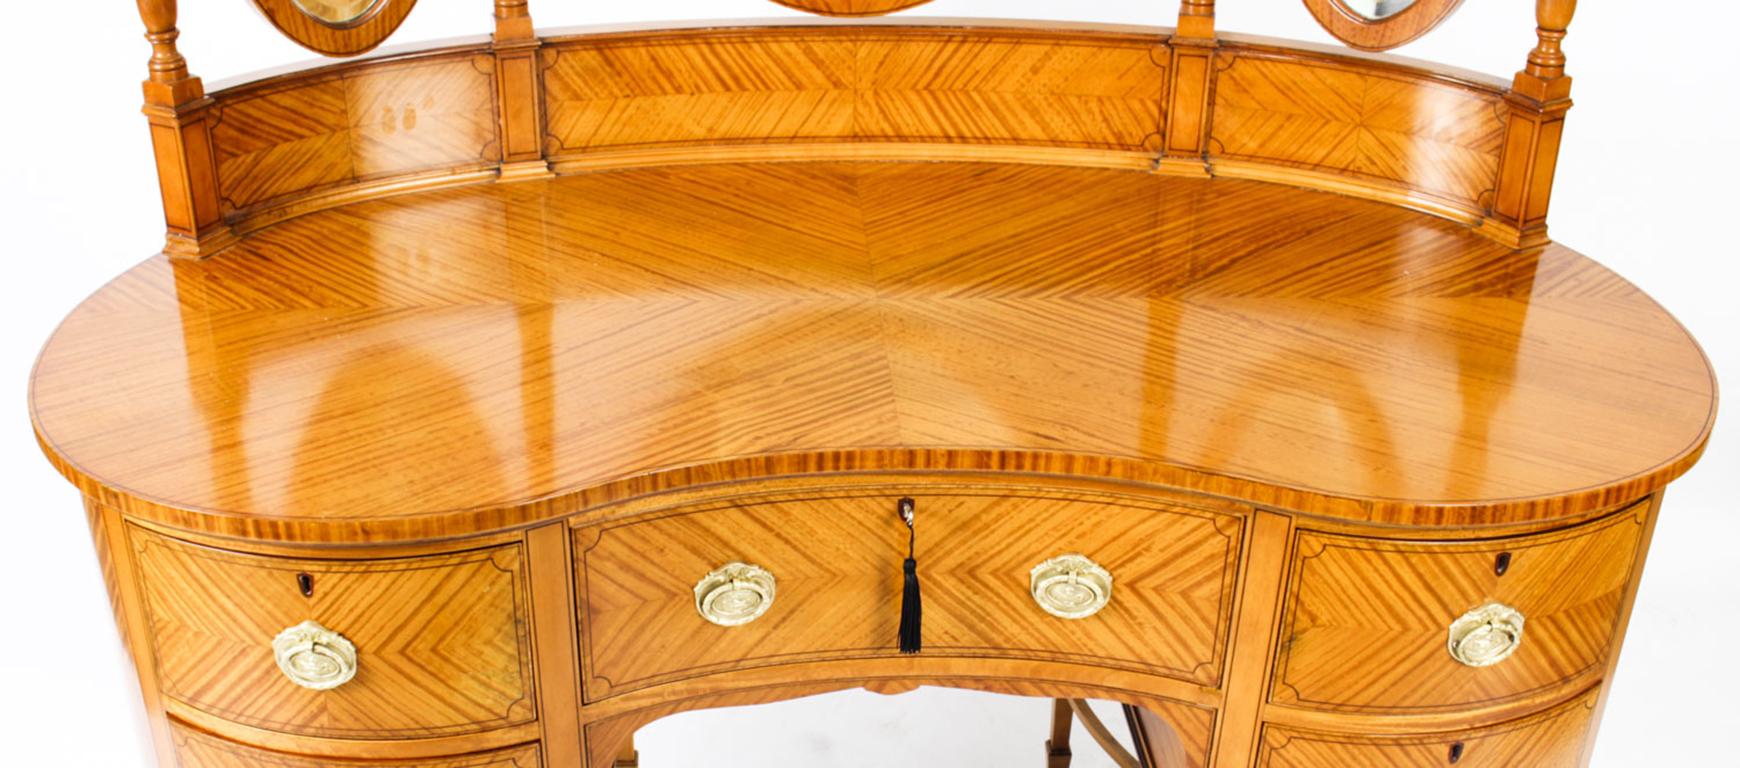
(281, 138)
(1552, 739)
(976, 316)
(1367, 620)
(450, 627)
(837, 561)
(1424, 134)
(845, 84)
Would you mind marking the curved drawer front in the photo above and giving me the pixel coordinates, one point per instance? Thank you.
(440, 641)
(1552, 739)
(194, 749)
(836, 566)
(1368, 624)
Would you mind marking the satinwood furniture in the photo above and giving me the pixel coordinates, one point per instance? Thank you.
(491, 400)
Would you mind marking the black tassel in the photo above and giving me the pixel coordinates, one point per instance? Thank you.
(911, 606)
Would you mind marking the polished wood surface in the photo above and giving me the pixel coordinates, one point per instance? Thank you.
(1364, 623)
(837, 561)
(552, 345)
(195, 749)
(1553, 739)
(798, 87)
(290, 139)
(1271, 331)
(1438, 138)
(452, 657)
(1192, 101)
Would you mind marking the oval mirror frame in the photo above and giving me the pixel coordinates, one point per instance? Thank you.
(850, 8)
(1368, 34)
(347, 38)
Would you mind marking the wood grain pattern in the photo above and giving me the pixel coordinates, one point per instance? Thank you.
(194, 749)
(433, 406)
(891, 317)
(852, 84)
(550, 564)
(1552, 739)
(1245, 686)
(1428, 138)
(837, 562)
(1441, 138)
(109, 531)
(1539, 97)
(291, 137)
(441, 640)
(1367, 620)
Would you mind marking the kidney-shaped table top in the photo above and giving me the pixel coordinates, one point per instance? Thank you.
(465, 360)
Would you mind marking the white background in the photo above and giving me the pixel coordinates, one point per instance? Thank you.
(1646, 185)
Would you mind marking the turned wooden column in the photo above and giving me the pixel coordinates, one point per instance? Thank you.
(178, 111)
(1190, 74)
(1539, 97)
(520, 92)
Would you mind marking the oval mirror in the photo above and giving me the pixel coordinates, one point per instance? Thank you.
(336, 27)
(851, 7)
(1376, 25)
(1371, 9)
(338, 13)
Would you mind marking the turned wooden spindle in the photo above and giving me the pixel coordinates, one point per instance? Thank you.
(167, 64)
(513, 20)
(1538, 99)
(1196, 19)
(1547, 60)
(170, 84)
(178, 110)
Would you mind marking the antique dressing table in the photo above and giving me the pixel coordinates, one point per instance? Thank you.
(491, 400)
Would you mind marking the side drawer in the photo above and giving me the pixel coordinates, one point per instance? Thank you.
(440, 642)
(1551, 739)
(194, 749)
(1368, 622)
(837, 560)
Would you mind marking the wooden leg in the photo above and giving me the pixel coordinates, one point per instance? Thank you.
(1057, 747)
(1157, 743)
(1103, 735)
(629, 757)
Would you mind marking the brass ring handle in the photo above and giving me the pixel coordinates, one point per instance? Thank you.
(314, 657)
(1071, 586)
(735, 594)
(1486, 635)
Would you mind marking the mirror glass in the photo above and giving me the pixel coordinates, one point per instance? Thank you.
(341, 11)
(1371, 9)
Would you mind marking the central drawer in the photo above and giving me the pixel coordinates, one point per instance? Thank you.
(836, 565)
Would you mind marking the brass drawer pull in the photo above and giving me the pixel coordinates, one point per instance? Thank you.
(1071, 586)
(314, 657)
(735, 594)
(1486, 635)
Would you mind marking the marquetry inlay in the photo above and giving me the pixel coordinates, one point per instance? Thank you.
(493, 398)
